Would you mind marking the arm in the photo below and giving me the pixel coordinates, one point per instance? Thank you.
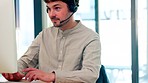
(30, 58)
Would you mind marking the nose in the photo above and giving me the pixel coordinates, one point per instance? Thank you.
(51, 13)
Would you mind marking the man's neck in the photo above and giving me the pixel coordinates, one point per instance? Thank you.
(69, 25)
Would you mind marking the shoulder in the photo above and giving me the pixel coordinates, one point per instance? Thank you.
(89, 32)
(47, 32)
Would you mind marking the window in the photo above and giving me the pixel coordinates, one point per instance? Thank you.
(142, 41)
(25, 28)
(115, 29)
(115, 34)
(86, 13)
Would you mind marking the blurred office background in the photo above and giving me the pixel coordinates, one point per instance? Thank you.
(122, 25)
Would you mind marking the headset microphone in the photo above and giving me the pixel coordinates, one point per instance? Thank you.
(66, 20)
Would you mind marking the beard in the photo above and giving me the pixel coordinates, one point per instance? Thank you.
(56, 22)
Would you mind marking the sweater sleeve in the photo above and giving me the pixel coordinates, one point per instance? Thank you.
(30, 57)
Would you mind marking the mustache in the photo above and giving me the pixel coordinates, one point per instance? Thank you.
(54, 18)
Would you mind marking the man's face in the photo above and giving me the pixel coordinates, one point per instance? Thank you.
(57, 11)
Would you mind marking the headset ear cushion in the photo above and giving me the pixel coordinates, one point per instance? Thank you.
(75, 9)
(47, 10)
(72, 6)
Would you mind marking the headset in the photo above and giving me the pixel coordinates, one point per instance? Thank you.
(72, 5)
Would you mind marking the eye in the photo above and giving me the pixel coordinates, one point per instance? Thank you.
(57, 8)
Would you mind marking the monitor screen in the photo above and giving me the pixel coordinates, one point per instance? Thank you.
(8, 52)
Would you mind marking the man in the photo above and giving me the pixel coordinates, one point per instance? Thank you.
(68, 52)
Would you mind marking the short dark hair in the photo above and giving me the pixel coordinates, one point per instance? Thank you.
(72, 4)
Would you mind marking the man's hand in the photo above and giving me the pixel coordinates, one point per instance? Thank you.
(13, 76)
(35, 74)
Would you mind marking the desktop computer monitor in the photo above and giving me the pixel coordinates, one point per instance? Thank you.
(8, 51)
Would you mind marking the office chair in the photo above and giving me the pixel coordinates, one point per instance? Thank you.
(102, 76)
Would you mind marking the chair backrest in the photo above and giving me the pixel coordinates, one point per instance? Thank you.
(102, 76)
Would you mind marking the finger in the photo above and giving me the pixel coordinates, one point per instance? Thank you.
(10, 76)
(35, 77)
(28, 75)
(29, 69)
(6, 75)
(19, 75)
(31, 77)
